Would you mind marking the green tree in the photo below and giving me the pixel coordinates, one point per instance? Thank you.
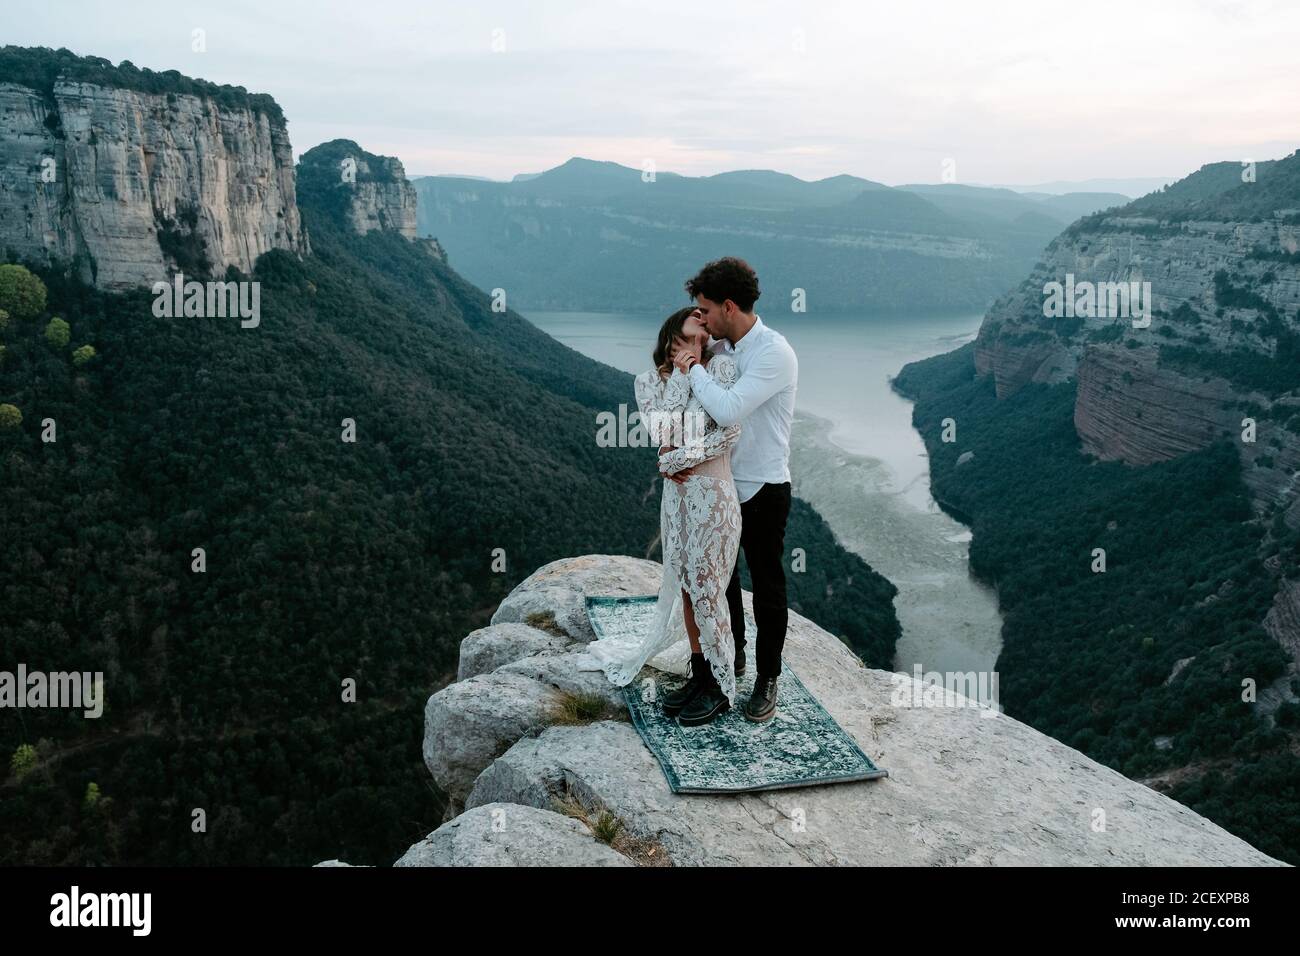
(10, 416)
(83, 355)
(91, 799)
(23, 761)
(22, 294)
(4, 318)
(58, 333)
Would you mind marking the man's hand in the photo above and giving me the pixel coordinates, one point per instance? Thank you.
(684, 351)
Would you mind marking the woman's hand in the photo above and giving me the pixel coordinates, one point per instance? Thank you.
(678, 477)
(685, 353)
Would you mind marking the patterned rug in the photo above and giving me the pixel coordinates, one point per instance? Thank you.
(802, 746)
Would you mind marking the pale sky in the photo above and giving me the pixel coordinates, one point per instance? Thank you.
(1013, 91)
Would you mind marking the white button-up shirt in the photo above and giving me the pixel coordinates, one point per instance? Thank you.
(762, 401)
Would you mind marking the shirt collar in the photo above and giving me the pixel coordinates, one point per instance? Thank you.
(753, 335)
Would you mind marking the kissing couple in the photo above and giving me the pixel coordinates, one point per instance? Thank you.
(718, 402)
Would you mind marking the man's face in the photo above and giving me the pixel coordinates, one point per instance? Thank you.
(713, 315)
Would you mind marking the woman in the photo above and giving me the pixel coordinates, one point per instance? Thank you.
(699, 526)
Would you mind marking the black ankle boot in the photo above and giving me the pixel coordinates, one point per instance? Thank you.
(673, 703)
(761, 705)
(704, 706)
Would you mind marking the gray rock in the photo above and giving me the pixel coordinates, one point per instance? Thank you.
(1276, 693)
(469, 723)
(508, 834)
(1179, 666)
(557, 591)
(381, 198)
(607, 767)
(561, 672)
(488, 648)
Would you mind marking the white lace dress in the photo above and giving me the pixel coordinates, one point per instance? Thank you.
(699, 526)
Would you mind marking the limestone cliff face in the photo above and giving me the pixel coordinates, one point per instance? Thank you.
(526, 788)
(382, 198)
(1222, 288)
(1133, 405)
(1013, 347)
(365, 193)
(121, 180)
(1018, 345)
(1131, 409)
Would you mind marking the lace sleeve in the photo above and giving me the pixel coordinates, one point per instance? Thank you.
(661, 403)
(713, 440)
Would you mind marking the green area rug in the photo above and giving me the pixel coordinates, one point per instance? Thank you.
(802, 746)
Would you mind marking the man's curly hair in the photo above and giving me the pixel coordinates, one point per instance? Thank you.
(727, 278)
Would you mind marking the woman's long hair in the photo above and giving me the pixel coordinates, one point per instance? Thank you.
(672, 328)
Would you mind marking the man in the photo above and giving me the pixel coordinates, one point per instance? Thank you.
(762, 400)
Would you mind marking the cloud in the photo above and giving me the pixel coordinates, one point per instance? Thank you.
(1017, 91)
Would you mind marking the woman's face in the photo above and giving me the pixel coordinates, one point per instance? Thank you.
(693, 328)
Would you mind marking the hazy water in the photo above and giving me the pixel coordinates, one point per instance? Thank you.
(856, 458)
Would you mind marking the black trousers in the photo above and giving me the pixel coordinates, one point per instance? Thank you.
(762, 538)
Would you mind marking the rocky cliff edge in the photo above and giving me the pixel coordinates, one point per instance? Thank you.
(534, 780)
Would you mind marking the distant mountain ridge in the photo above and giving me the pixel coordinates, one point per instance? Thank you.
(1129, 187)
(1011, 205)
(599, 235)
